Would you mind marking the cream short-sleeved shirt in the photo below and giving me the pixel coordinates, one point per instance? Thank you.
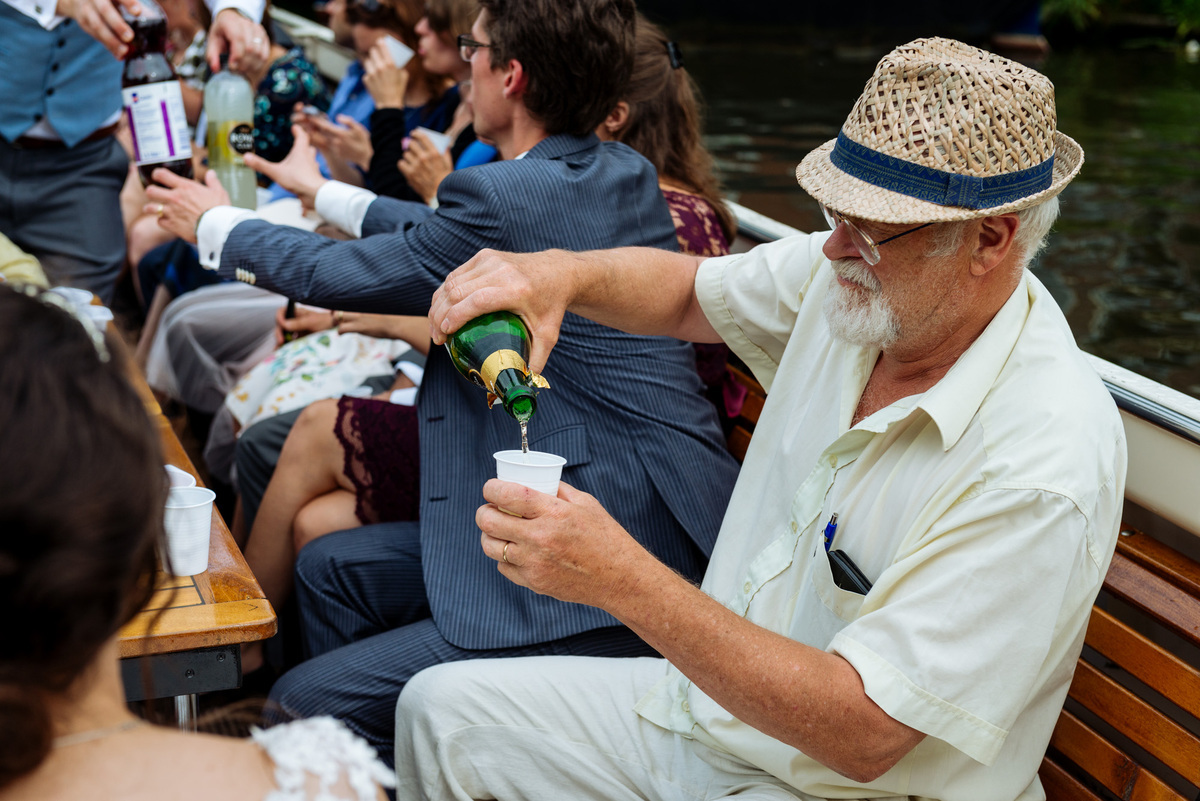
(984, 511)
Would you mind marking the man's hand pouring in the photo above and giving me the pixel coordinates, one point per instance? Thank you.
(536, 286)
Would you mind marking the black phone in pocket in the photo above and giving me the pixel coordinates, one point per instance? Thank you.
(846, 574)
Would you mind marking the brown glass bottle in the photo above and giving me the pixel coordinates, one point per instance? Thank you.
(153, 102)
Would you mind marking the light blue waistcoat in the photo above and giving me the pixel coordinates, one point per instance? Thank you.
(62, 74)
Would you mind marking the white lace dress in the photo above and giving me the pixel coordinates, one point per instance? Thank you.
(325, 749)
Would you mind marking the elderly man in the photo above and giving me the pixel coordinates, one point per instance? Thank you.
(902, 581)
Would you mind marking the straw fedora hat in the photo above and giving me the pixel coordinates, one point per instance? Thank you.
(944, 131)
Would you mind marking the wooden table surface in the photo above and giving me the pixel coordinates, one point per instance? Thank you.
(221, 606)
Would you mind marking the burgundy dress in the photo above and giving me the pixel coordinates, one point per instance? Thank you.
(379, 438)
(698, 230)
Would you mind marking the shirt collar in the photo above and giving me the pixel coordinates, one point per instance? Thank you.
(953, 402)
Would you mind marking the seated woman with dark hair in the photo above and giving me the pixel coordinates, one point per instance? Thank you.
(80, 515)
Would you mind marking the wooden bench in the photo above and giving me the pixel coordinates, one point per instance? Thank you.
(1129, 728)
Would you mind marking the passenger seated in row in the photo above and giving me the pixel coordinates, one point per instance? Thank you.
(353, 461)
(929, 418)
(81, 517)
(545, 73)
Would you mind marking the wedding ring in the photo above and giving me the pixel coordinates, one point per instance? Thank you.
(256, 40)
(338, 317)
(158, 212)
(504, 553)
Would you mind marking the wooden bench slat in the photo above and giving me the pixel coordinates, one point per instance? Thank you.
(1144, 725)
(752, 408)
(1161, 559)
(1107, 764)
(1062, 786)
(1170, 605)
(739, 441)
(1149, 662)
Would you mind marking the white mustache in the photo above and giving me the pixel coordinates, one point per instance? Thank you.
(855, 271)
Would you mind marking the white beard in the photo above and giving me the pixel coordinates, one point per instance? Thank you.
(859, 315)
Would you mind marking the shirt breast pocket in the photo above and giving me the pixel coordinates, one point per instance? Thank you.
(825, 608)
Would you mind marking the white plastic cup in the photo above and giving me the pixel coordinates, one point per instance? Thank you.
(178, 477)
(188, 522)
(439, 140)
(99, 315)
(398, 50)
(536, 470)
(74, 295)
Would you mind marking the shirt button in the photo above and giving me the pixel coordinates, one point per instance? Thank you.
(686, 707)
(50, 91)
(794, 527)
(54, 68)
(832, 461)
(62, 42)
(747, 587)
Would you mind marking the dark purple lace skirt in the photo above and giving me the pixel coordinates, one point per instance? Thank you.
(382, 458)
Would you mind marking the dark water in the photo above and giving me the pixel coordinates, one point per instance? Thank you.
(1124, 261)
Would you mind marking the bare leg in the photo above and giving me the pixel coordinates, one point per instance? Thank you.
(333, 511)
(309, 466)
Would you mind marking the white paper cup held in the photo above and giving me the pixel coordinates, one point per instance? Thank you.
(188, 523)
(439, 140)
(536, 470)
(179, 477)
(398, 50)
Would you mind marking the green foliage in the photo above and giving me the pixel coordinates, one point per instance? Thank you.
(1185, 14)
(1079, 12)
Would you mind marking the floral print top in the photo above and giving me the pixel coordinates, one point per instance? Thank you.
(290, 80)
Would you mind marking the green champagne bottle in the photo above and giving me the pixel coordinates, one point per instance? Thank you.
(493, 351)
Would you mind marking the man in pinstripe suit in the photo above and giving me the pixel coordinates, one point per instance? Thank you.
(380, 603)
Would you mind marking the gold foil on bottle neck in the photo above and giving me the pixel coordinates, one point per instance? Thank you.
(500, 361)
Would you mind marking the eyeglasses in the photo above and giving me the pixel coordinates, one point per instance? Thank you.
(868, 248)
(467, 46)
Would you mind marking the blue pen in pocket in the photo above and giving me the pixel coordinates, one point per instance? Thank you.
(830, 530)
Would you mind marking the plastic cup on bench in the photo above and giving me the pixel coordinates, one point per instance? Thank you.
(188, 523)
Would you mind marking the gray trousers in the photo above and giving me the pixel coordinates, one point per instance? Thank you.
(62, 205)
(557, 727)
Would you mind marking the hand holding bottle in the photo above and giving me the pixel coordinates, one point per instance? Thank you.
(537, 287)
(179, 203)
(102, 20)
(243, 39)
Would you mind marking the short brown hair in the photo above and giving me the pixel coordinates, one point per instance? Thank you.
(577, 56)
(451, 17)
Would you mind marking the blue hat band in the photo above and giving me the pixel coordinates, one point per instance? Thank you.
(936, 186)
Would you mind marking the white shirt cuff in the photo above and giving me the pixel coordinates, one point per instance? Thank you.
(249, 8)
(344, 205)
(215, 226)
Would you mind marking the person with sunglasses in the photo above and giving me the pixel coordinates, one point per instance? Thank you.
(925, 514)
(378, 603)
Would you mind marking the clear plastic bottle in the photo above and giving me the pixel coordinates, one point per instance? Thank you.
(229, 107)
(152, 100)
